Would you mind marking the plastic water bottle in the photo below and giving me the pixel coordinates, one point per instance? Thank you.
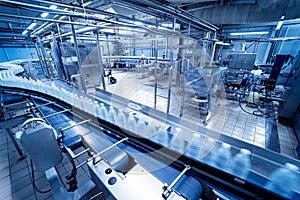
(241, 164)
(81, 106)
(150, 130)
(102, 112)
(194, 149)
(140, 127)
(162, 138)
(97, 108)
(177, 142)
(111, 116)
(221, 157)
(76, 100)
(131, 123)
(206, 148)
(121, 119)
(284, 180)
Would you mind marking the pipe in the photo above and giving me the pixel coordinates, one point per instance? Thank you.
(95, 11)
(49, 20)
(46, 25)
(70, 13)
(176, 13)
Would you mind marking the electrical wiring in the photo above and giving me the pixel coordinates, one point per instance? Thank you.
(33, 180)
(259, 112)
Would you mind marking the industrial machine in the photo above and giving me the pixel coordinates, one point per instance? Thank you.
(257, 88)
(141, 161)
(46, 154)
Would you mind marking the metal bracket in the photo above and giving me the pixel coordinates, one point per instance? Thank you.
(168, 189)
(53, 114)
(74, 125)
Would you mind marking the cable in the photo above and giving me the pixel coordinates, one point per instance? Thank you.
(262, 113)
(33, 180)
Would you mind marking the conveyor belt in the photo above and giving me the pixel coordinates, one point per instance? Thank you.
(258, 180)
(118, 157)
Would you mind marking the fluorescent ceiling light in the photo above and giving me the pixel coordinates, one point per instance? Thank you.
(111, 10)
(45, 14)
(279, 25)
(31, 26)
(223, 43)
(53, 7)
(251, 33)
(139, 23)
(25, 32)
(87, 3)
(99, 16)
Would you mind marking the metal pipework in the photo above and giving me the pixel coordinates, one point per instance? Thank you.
(53, 114)
(95, 11)
(105, 150)
(74, 125)
(168, 190)
(101, 152)
(49, 20)
(70, 13)
(179, 14)
(46, 25)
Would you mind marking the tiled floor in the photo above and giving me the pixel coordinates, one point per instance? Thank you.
(15, 174)
(227, 117)
(15, 179)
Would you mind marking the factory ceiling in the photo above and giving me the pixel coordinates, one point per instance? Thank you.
(112, 17)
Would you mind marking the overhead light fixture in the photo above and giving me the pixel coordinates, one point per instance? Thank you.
(223, 43)
(87, 3)
(25, 32)
(31, 26)
(53, 7)
(251, 33)
(139, 23)
(45, 14)
(280, 23)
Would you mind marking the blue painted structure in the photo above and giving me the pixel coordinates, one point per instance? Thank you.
(17, 53)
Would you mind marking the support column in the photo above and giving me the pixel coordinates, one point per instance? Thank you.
(76, 45)
(155, 72)
(6, 55)
(40, 59)
(44, 57)
(100, 61)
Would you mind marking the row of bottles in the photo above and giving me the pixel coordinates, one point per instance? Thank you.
(238, 165)
(283, 180)
(124, 120)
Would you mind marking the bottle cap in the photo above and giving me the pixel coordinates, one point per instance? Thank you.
(196, 135)
(291, 166)
(178, 130)
(245, 151)
(225, 145)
